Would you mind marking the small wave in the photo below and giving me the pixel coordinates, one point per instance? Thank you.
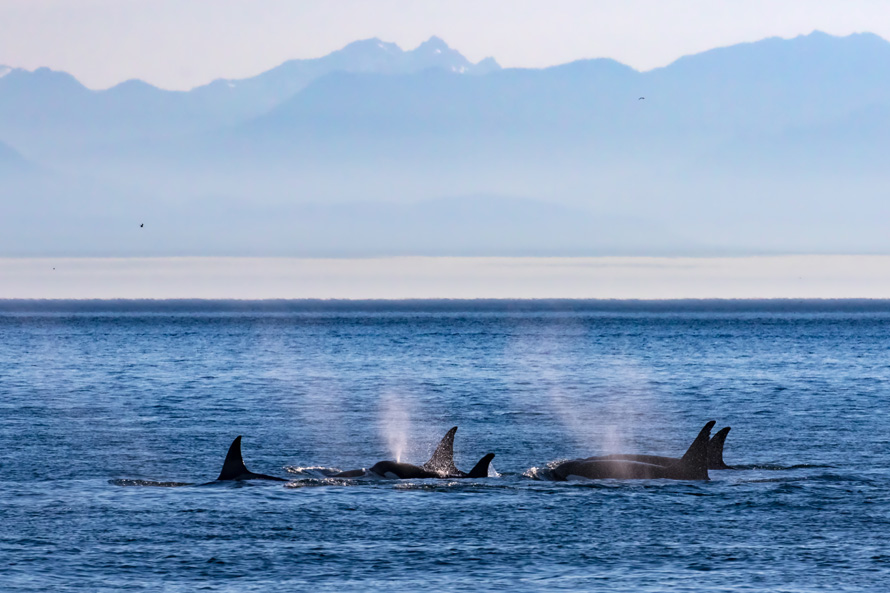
(538, 473)
(774, 467)
(310, 468)
(312, 471)
(543, 473)
(295, 469)
(149, 483)
(316, 482)
(430, 486)
(817, 478)
(446, 485)
(776, 480)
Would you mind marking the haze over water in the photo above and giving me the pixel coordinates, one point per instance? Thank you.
(99, 398)
(790, 276)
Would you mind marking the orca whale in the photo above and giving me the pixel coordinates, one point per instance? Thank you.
(440, 465)
(715, 449)
(692, 466)
(715, 454)
(234, 469)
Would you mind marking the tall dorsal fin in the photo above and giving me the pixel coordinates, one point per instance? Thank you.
(442, 461)
(695, 460)
(715, 449)
(480, 470)
(233, 466)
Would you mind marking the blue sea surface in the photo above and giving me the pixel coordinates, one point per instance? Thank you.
(114, 416)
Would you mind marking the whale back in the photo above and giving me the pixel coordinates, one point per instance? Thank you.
(715, 450)
(233, 466)
(401, 471)
(480, 470)
(694, 462)
(442, 461)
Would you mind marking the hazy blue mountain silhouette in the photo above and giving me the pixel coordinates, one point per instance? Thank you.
(260, 93)
(44, 109)
(764, 87)
(772, 146)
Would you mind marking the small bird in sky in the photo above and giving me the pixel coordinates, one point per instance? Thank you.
(641, 98)
(141, 225)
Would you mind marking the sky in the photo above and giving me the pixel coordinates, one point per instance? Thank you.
(180, 44)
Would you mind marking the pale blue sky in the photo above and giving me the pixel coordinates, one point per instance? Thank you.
(179, 44)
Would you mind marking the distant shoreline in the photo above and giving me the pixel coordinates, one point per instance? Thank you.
(448, 278)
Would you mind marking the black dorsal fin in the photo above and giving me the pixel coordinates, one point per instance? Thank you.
(233, 466)
(480, 470)
(695, 461)
(715, 449)
(442, 461)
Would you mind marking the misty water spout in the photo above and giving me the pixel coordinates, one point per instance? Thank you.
(395, 424)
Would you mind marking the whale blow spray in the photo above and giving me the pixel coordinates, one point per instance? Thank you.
(395, 424)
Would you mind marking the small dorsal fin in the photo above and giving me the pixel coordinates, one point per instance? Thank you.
(233, 466)
(696, 458)
(442, 461)
(480, 470)
(715, 449)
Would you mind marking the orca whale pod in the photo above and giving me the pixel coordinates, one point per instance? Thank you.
(704, 453)
(694, 462)
(234, 469)
(440, 465)
(692, 466)
(715, 454)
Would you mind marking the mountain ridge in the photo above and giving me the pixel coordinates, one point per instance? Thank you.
(769, 146)
(134, 108)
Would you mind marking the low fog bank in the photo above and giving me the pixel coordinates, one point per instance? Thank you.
(783, 277)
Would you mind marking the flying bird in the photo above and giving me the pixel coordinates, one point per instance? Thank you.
(641, 98)
(141, 225)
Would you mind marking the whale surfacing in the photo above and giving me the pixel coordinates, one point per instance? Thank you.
(715, 454)
(692, 466)
(440, 465)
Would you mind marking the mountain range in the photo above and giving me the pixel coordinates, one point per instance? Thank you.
(765, 147)
(39, 109)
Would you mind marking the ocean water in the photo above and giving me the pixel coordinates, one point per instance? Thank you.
(114, 416)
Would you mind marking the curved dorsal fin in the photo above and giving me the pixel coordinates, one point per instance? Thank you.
(480, 470)
(715, 449)
(696, 458)
(442, 461)
(233, 466)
